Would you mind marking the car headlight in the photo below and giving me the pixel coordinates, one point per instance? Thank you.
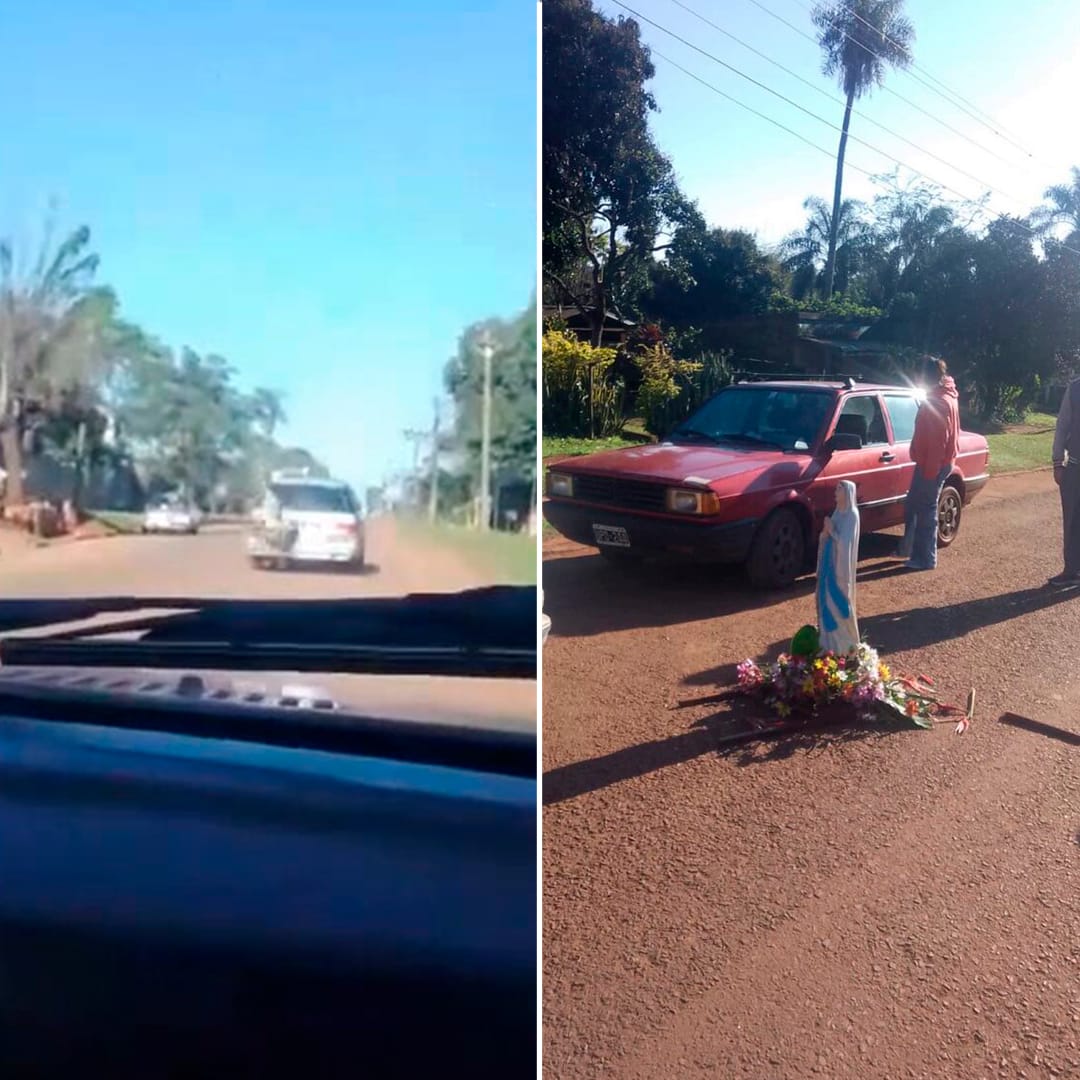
(692, 501)
(560, 485)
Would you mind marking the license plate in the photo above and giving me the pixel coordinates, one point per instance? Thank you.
(611, 535)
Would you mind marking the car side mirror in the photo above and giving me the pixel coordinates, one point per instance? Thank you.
(844, 440)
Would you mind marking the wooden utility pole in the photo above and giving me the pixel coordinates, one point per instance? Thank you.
(416, 438)
(487, 350)
(433, 484)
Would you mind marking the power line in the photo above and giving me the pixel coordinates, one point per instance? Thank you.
(742, 105)
(918, 67)
(802, 108)
(888, 89)
(911, 74)
(839, 101)
(874, 177)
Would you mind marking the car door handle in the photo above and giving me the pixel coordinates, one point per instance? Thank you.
(887, 456)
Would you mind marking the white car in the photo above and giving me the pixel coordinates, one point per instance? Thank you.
(307, 520)
(171, 517)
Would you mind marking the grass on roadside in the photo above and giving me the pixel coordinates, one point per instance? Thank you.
(633, 434)
(119, 521)
(510, 558)
(1023, 446)
(559, 446)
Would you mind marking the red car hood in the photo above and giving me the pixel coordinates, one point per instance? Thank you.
(685, 463)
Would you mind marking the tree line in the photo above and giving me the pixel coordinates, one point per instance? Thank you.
(116, 414)
(997, 295)
(513, 422)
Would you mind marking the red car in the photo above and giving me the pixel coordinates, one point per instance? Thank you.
(751, 476)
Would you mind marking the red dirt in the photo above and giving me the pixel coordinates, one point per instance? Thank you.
(845, 905)
(92, 530)
(15, 541)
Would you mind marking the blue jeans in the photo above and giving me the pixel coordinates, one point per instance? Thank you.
(921, 519)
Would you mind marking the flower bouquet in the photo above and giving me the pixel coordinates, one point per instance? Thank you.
(807, 684)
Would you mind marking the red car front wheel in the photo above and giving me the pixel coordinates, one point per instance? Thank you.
(779, 551)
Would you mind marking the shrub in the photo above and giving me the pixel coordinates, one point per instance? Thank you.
(663, 380)
(716, 373)
(1007, 405)
(672, 389)
(838, 306)
(565, 398)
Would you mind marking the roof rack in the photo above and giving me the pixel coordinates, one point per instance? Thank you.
(849, 381)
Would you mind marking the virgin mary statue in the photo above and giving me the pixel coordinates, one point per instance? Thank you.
(838, 556)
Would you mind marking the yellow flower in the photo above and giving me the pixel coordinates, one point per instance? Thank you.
(884, 672)
(783, 708)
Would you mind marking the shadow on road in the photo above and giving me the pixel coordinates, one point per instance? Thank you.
(919, 628)
(326, 569)
(705, 736)
(1072, 738)
(585, 595)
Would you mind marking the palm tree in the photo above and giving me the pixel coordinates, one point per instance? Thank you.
(1063, 208)
(51, 331)
(860, 41)
(908, 221)
(804, 254)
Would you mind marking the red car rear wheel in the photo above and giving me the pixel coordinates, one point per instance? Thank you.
(950, 510)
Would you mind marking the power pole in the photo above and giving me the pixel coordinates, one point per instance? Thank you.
(433, 484)
(416, 438)
(487, 350)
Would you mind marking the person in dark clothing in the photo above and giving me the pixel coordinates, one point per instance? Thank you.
(1066, 458)
(934, 447)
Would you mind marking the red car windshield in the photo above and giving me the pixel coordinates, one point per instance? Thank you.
(787, 419)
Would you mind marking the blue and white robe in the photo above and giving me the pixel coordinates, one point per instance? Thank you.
(838, 558)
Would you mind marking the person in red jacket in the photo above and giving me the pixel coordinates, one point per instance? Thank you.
(934, 447)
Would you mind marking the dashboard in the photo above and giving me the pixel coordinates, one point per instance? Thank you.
(182, 903)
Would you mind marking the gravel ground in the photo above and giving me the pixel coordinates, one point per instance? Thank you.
(846, 905)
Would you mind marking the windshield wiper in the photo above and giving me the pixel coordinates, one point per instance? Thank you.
(485, 633)
(752, 439)
(693, 433)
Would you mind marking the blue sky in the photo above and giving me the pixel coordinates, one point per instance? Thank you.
(324, 192)
(1018, 63)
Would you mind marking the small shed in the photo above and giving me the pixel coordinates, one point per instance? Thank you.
(579, 323)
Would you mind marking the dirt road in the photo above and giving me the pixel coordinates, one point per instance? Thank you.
(847, 906)
(213, 564)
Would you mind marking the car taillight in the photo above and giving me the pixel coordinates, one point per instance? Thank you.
(347, 530)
